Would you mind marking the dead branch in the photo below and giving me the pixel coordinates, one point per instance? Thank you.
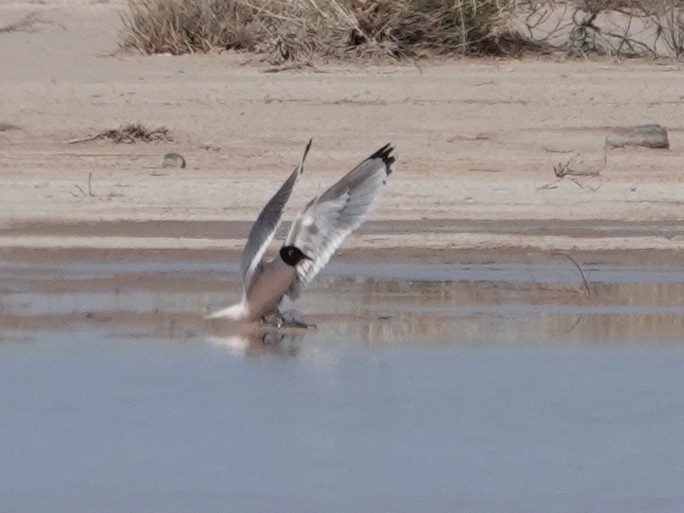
(579, 268)
(131, 133)
(563, 169)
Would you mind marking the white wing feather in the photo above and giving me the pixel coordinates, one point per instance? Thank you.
(327, 220)
(266, 225)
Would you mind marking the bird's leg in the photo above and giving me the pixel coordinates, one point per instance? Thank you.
(288, 319)
(273, 319)
(295, 319)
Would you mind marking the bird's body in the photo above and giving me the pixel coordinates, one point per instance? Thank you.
(313, 237)
(270, 283)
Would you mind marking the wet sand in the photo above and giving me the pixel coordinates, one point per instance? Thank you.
(453, 304)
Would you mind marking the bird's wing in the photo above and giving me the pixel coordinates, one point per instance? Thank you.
(264, 228)
(329, 219)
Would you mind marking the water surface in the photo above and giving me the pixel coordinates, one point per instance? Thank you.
(497, 388)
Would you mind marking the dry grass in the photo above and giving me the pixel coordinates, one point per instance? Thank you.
(131, 133)
(299, 30)
(26, 24)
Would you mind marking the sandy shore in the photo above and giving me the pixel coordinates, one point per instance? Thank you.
(477, 142)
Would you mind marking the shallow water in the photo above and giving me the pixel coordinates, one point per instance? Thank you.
(478, 388)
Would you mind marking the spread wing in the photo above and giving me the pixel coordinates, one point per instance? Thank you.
(327, 220)
(264, 228)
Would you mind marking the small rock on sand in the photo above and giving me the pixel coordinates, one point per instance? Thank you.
(649, 136)
(173, 160)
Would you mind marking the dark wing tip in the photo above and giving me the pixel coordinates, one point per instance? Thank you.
(385, 153)
(300, 168)
(306, 150)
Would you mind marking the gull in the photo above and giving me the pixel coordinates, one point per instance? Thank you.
(314, 236)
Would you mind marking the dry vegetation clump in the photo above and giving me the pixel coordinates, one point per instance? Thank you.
(26, 24)
(130, 133)
(302, 30)
(187, 26)
(295, 30)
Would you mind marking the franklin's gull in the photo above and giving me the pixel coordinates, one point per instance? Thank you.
(313, 238)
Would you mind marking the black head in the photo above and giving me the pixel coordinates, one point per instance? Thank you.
(292, 255)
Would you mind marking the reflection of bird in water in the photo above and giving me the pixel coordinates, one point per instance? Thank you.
(313, 238)
(276, 343)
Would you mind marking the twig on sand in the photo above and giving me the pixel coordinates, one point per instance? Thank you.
(90, 188)
(553, 150)
(85, 139)
(564, 168)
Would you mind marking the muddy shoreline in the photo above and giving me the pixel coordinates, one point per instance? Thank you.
(205, 241)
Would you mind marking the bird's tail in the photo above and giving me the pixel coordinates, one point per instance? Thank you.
(235, 312)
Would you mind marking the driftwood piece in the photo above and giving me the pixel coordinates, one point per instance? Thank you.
(648, 136)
